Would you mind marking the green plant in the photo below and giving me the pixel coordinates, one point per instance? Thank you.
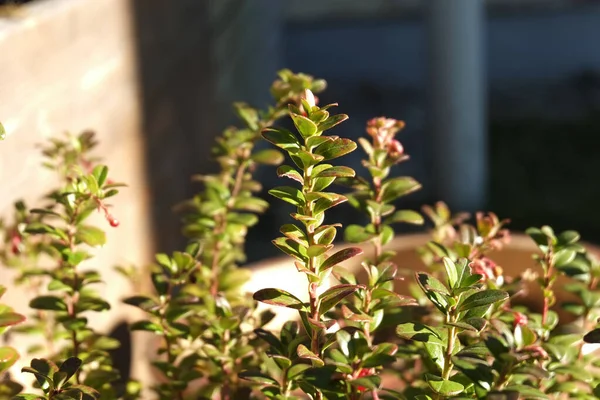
(462, 330)
(8, 355)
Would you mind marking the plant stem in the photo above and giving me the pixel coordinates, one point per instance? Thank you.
(448, 365)
(548, 270)
(72, 301)
(169, 344)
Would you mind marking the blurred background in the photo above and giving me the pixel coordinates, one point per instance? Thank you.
(501, 97)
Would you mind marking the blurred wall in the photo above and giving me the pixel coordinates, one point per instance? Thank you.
(138, 73)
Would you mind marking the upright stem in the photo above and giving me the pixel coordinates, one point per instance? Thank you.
(547, 283)
(72, 301)
(169, 343)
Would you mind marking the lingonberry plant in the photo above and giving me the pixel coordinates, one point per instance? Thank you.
(204, 317)
(459, 327)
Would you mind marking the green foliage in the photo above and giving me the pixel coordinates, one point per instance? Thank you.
(8, 355)
(464, 331)
(199, 291)
(58, 236)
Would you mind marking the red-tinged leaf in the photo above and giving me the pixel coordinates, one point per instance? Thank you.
(282, 138)
(302, 268)
(332, 121)
(334, 295)
(290, 172)
(335, 148)
(340, 257)
(337, 172)
(279, 297)
(354, 316)
(258, 378)
(324, 204)
(294, 233)
(86, 390)
(304, 352)
(10, 318)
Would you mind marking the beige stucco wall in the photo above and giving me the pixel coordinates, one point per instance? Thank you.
(73, 65)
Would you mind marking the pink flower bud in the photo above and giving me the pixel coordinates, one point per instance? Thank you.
(309, 97)
(520, 319)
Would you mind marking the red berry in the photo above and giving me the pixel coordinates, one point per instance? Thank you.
(16, 244)
(364, 372)
(112, 220)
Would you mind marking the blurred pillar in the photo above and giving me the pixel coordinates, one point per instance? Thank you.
(458, 102)
(246, 42)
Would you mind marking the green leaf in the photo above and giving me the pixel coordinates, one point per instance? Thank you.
(568, 237)
(100, 172)
(248, 114)
(303, 159)
(335, 148)
(271, 340)
(294, 233)
(334, 295)
(258, 377)
(282, 138)
(2, 132)
(337, 172)
(305, 126)
(147, 326)
(143, 302)
(279, 297)
(27, 396)
(563, 257)
(419, 333)
(292, 248)
(483, 298)
(92, 303)
(444, 387)
(10, 318)
(476, 370)
(51, 303)
(398, 187)
(325, 234)
(405, 216)
(8, 356)
(90, 235)
(435, 290)
(357, 234)
(268, 157)
(340, 257)
(451, 272)
(289, 194)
